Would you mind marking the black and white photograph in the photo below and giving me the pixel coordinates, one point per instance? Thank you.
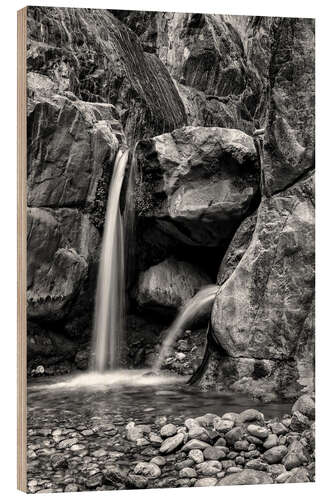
(168, 294)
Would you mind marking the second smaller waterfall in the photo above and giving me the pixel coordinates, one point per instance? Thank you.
(197, 305)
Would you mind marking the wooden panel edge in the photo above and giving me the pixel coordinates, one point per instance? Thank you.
(21, 250)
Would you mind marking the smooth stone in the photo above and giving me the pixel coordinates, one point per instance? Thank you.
(299, 422)
(299, 475)
(276, 469)
(195, 444)
(198, 433)
(275, 455)
(160, 461)
(184, 463)
(278, 428)
(168, 430)
(234, 435)
(226, 464)
(71, 488)
(206, 420)
(155, 438)
(223, 426)
(234, 469)
(209, 468)
(187, 472)
(171, 443)
(271, 441)
(234, 417)
(190, 422)
(292, 460)
(206, 481)
(221, 442)
(242, 445)
(254, 440)
(258, 431)
(197, 456)
(99, 453)
(149, 470)
(251, 415)
(305, 405)
(213, 453)
(135, 481)
(257, 464)
(246, 477)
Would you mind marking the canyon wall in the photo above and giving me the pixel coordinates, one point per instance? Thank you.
(189, 90)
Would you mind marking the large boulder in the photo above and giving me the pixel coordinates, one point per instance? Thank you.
(169, 285)
(198, 183)
(61, 245)
(261, 309)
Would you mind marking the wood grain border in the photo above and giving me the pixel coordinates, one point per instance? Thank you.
(21, 250)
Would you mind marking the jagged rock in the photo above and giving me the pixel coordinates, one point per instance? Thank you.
(169, 284)
(275, 455)
(198, 183)
(223, 80)
(249, 476)
(103, 61)
(289, 135)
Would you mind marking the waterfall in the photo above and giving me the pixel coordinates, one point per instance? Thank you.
(110, 292)
(200, 303)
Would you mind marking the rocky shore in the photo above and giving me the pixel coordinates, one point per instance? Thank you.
(210, 450)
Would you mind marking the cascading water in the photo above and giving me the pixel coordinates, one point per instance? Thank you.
(199, 304)
(110, 293)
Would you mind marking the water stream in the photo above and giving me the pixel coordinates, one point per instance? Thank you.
(110, 292)
(198, 305)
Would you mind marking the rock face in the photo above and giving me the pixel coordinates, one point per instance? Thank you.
(289, 137)
(264, 311)
(190, 89)
(260, 311)
(220, 62)
(198, 183)
(92, 54)
(169, 285)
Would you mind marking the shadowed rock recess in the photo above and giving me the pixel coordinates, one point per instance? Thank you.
(188, 90)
